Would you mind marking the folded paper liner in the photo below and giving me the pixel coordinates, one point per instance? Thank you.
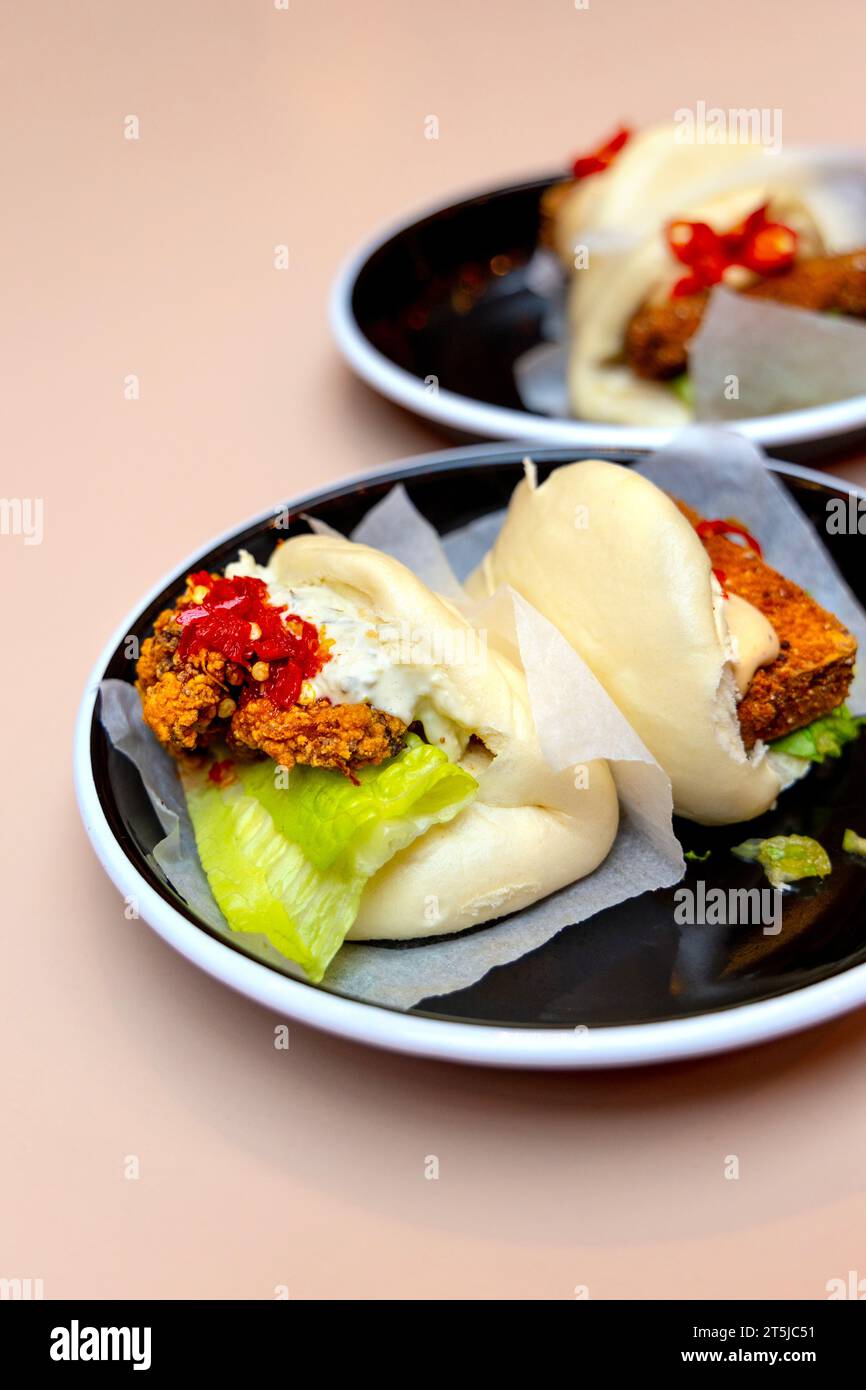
(720, 474)
(752, 357)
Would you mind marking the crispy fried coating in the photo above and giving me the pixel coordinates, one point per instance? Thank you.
(180, 712)
(318, 734)
(657, 338)
(821, 283)
(191, 702)
(181, 700)
(813, 670)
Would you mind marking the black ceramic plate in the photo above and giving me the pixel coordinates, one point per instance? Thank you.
(630, 965)
(435, 313)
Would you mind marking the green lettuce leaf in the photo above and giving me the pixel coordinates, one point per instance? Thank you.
(786, 858)
(288, 854)
(853, 843)
(824, 738)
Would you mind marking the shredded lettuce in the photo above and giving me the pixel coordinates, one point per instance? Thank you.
(823, 738)
(696, 858)
(683, 386)
(786, 858)
(288, 854)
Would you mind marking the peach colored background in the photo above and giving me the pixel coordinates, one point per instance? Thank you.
(154, 257)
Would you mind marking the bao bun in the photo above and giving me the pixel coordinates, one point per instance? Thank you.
(608, 557)
(530, 830)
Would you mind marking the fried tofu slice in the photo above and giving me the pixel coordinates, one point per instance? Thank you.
(658, 336)
(814, 668)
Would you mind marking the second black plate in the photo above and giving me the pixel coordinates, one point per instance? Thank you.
(435, 313)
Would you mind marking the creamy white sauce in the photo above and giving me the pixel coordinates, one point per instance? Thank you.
(754, 640)
(370, 660)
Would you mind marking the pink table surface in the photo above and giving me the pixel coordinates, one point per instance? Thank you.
(259, 1168)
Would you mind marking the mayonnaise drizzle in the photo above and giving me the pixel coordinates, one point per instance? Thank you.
(370, 661)
(754, 640)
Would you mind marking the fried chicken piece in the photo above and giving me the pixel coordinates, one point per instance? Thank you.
(823, 284)
(812, 672)
(657, 338)
(182, 706)
(317, 734)
(191, 701)
(182, 701)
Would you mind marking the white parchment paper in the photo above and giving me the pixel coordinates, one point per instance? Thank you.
(752, 357)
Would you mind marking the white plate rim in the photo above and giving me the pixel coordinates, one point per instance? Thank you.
(482, 1044)
(453, 411)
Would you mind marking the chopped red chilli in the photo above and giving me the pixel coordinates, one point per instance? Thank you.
(762, 246)
(236, 617)
(603, 157)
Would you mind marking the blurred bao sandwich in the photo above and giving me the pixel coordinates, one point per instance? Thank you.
(652, 222)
